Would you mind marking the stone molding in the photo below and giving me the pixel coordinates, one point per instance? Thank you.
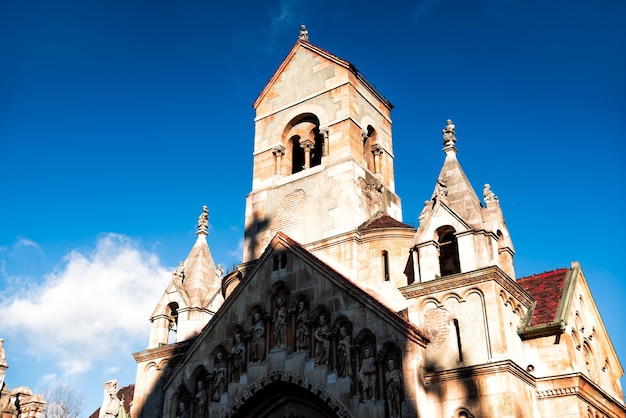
(165, 351)
(288, 377)
(551, 393)
(475, 277)
(499, 367)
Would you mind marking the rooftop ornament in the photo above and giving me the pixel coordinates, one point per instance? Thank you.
(203, 220)
(449, 139)
(304, 34)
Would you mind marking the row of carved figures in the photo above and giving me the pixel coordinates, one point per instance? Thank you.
(373, 374)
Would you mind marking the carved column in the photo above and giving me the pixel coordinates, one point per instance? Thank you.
(307, 145)
(326, 147)
(278, 152)
(377, 150)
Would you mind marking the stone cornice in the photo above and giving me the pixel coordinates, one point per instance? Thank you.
(475, 277)
(164, 351)
(506, 366)
(579, 385)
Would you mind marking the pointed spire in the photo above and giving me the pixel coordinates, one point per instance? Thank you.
(304, 34)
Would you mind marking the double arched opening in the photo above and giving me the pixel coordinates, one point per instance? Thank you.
(304, 143)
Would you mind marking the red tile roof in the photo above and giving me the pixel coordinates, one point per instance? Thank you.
(547, 289)
(383, 221)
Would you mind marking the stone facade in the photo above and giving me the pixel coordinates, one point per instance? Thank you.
(341, 310)
(19, 402)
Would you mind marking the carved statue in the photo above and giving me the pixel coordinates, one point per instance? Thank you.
(302, 327)
(393, 389)
(180, 271)
(280, 326)
(367, 375)
(422, 214)
(3, 354)
(200, 400)
(219, 376)
(257, 347)
(343, 353)
(488, 194)
(441, 190)
(110, 404)
(448, 134)
(304, 34)
(203, 219)
(322, 342)
(238, 356)
(183, 411)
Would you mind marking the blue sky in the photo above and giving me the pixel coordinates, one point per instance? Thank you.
(120, 119)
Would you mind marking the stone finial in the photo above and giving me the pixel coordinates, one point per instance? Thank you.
(203, 220)
(449, 139)
(489, 195)
(304, 34)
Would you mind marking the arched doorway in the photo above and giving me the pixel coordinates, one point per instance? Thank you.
(281, 399)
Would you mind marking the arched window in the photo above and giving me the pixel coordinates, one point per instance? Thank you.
(385, 260)
(172, 313)
(369, 139)
(303, 142)
(448, 251)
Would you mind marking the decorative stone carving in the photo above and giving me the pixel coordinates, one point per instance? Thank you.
(180, 271)
(183, 410)
(110, 404)
(304, 34)
(367, 375)
(344, 358)
(449, 138)
(220, 371)
(257, 331)
(203, 220)
(280, 323)
(441, 190)
(200, 400)
(424, 212)
(393, 389)
(322, 341)
(488, 195)
(238, 356)
(302, 327)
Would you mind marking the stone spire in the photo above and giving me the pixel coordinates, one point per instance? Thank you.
(304, 34)
(455, 216)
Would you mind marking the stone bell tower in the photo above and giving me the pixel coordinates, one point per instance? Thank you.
(323, 157)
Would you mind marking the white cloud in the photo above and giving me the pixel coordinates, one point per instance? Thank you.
(94, 308)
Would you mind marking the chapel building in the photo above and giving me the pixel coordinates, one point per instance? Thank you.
(340, 309)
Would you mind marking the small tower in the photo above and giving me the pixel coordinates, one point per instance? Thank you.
(193, 295)
(457, 233)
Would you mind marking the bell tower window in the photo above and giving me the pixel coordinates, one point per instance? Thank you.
(449, 262)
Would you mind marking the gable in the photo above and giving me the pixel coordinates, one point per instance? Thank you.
(306, 71)
(441, 215)
(294, 301)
